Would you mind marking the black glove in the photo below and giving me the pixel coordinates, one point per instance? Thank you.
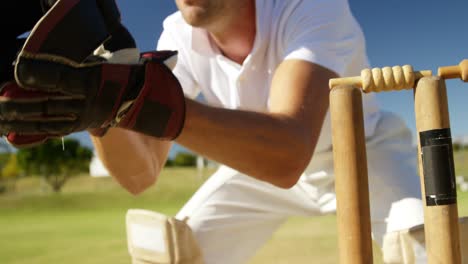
(26, 14)
(71, 91)
(46, 37)
(144, 97)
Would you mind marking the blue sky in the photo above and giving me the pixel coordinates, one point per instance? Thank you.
(426, 34)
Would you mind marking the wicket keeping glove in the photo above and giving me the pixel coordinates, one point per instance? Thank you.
(83, 94)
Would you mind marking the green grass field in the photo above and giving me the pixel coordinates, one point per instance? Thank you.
(86, 222)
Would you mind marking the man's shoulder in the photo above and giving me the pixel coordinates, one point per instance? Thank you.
(310, 15)
(310, 7)
(175, 31)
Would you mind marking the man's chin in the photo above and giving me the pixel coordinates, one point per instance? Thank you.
(196, 16)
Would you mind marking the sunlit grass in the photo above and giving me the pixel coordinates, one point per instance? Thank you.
(85, 223)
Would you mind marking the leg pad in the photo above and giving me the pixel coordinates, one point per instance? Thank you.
(154, 238)
(405, 246)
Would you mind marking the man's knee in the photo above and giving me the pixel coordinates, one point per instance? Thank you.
(154, 238)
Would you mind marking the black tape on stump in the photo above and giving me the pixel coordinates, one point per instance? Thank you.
(438, 167)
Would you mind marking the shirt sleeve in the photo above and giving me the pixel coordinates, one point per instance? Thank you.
(181, 70)
(323, 32)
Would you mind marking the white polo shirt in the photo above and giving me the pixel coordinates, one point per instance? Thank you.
(320, 31)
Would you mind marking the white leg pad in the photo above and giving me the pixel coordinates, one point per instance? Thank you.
(405, 246)
(154, 238)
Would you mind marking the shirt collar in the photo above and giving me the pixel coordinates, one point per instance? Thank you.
(202, 43)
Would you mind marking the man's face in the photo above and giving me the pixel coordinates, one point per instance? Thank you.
(203, 13)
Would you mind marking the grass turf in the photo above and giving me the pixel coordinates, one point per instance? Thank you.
(85, 223)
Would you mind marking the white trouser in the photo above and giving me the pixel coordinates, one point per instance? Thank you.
(232, 215)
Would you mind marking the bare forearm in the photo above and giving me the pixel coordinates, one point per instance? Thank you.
(274, 146)
(267, 146)
(132, 159)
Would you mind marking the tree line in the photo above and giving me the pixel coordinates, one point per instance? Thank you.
(459, 146)
(56, 161)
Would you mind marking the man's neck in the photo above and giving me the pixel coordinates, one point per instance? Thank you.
(236, 37)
